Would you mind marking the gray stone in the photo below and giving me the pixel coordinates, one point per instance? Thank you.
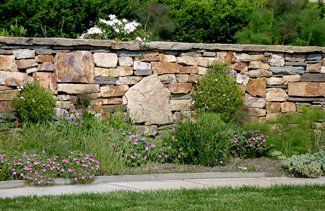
(277, 60)
(296, 64)
(305, 99)
(105, 80)
(242, 79)
(138, 65)
(130, 53)
(143, 72)
(151, 130)
(254, 102)
(24, 54)
(168, 78)
(288, 70)
(313, 77)
(148, 102)
(314, 57)
(7, 115)
(44, 51)
(259, 73)
(78, 88)
(181, 96)
(125, 61)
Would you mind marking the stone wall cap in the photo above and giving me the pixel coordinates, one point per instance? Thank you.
(178, 46)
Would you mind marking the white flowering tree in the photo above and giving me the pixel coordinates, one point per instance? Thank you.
(121, 30)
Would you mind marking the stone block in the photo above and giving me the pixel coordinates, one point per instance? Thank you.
(105, 80)
(143, 72)
(256, 112)
(26, 63)
(106, 72)
(24, 54)
(167, 58)
(288, 107)
(188, 69)
(179, 88)
(113, 91)
(226, 57)
(46, 80)
(63, 97)
(44, 51)
(46, 66)
(112, 101)
(295, 64)
(180, 105)
(276, 95)
(165, 68)
(314, 57)
(8, 94)
(7, 63)
(306, 89)
(277, 60)
(125, 61)
(194, 78)
(129, 80)
(246, 57)
(274, 81)
(187, 60)
(6, 106)
(242, 79)
(182, 78)
(76, 67)
(78, 88)
(31, 70)
(151, 130)
(105, 59)
(16, 79)
(209, 54)
(204, 61)
(254, 102)
(138, 65)
(259, 73)
(257, 87)
(273, 107)
(44, 58)
(313, 77)
(291, 78)
(240, 66)
(272, 116)
(202, 70)
(181, 96)
(124, 71)
(154, 56)
(258, 65)
(288, 70)
(295, 57)
(313, 68)
(63, 104)
(168, 78)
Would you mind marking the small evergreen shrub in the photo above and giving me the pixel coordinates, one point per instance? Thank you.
(34, 103)
(306, 165)
(216, 92)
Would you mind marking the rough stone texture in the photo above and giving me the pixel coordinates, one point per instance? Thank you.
(274, 81)
(63, 97)
(7, 63)
(277, 60)
(291, 78)
(313, 68)
(151, 130)
(150, 57)
(125, 61)
(16, 79)
(165, 68)
(246, 57)
(44, 58)
(181, 96)
(313, 77)
(188, 69)
(125, 71)
(256, 112)
(46, 66)
(296, 64)
(242, 79)
(46, 80)
(182, 78)
(77, 67)
(314, 57)
(204, 61)
(5, 107)
(105, 72)
(106, 80)
(254, 102)
(105, 59)
(143, 72)
(138, 65)
(194, 78)
(167, 58)
(240, 66)
(129, 80)
(226, 57)
(288, 70)
(257, 87)
(258, 65)
(272, 116)
(180, 88)
(180, 105)
(63, 104)
(78, 88)
(202, 70)
(209, 54)
(276, 95)
(26, 63)
(288, 107)
(322, 70)
(306, 89)
(113, 91)
(168, 78)
(273, 107)
(24, 54)
(148, 102)
(295, 57)
(259, 73)
(8, 94)
(112, 101)
(187, 60)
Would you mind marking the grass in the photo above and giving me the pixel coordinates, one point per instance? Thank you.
(245, 198)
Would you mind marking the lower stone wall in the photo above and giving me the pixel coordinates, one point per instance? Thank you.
(153, 81)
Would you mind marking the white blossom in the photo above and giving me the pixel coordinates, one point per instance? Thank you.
(94, 30)
(112, 17)
(138, 39)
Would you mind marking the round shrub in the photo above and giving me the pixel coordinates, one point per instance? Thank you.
(34, 103)
(216, 92)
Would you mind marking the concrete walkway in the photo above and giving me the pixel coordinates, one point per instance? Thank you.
(147, 182)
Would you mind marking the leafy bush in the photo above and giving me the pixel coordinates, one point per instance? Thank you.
(285, 22)
(205, 142)
(295, 133)
(39, 169)
(250, 144)
(116, 29)
(34, 103)
(217, 92)
(307, 165)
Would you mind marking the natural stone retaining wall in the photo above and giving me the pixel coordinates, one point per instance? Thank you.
(153, 81)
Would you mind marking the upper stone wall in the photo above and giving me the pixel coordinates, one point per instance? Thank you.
(154, 81)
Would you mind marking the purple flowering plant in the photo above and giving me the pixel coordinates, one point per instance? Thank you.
(248, 144)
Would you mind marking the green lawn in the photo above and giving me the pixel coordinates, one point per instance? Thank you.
(246, 198)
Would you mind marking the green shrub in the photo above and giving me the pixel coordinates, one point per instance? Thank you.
(307, 165)
(217, 92)
(206, 141)
(34, 103)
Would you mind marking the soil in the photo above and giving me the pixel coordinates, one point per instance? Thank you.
(270, 167)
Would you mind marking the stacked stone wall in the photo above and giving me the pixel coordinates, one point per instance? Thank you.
(153, 81)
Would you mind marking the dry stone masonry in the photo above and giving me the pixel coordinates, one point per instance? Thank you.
(153, 81)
